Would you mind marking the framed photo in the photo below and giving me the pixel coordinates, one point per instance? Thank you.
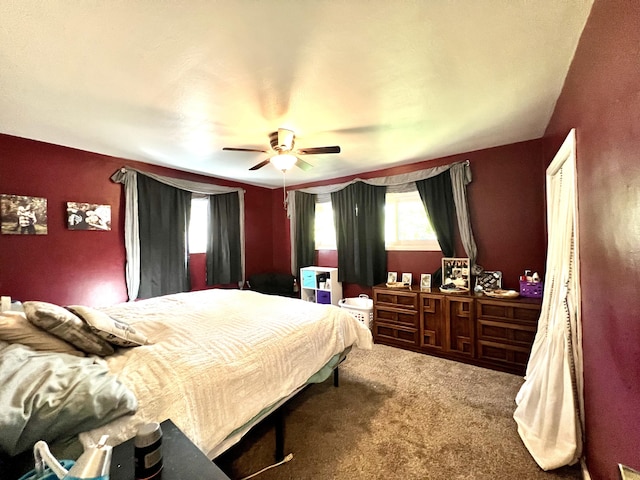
(456, 271)
(425, 280)
(406, 279)
(392, 277)
(88, 216)
(22, 215)
(489, 280)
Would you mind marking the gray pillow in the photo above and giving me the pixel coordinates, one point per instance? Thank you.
(65, 325)
(15, 328)
(54, 396)
(113, 331)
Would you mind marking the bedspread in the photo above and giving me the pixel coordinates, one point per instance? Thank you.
(219, 357)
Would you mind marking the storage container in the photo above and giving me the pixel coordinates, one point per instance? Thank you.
(531, 289)
(322, 296)
(309, 279)
(360, 307)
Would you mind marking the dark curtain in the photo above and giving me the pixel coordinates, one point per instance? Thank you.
(224, 258)
(358, 214)
(163, 218)
(437, 196)
(305, 212)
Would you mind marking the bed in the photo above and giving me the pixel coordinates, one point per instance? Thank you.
(216, 361)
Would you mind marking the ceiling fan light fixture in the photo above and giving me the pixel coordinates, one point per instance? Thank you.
(284, 161)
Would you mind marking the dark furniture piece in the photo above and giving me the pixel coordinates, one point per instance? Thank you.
(181, 458)
(489, 332)
(273, 284)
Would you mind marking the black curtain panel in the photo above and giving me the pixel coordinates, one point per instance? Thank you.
(437, 196)
(358, 214)
(224, 248)
(305, 212)
(163, 219)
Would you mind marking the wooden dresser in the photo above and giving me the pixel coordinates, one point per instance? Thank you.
(489, 332)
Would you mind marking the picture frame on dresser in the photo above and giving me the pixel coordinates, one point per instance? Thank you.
(392, 277)
(425, 280)
(489, 280)
(456, 270)
(407, 278)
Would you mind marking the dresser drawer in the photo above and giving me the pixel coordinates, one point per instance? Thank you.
(395, 335)
(513, 357)
(506, 332)
(407, 300)
(396, 316)
(508, 311)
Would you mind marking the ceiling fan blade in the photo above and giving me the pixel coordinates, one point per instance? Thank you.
(261, 164)
(230, 149)
(303, 165)
(317, 150)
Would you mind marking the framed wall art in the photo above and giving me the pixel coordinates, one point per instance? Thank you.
(23, 215)
(88, 216)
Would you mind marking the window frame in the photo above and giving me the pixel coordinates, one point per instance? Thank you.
(428, 245)
(203, 230)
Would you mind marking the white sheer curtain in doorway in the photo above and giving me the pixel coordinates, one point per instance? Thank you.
(550, 409)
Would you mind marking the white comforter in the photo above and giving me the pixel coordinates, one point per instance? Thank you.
(219, 357)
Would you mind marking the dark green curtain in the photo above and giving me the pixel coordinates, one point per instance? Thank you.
(305, 212)
(358, 214)
(224, 257)
(163, 219)
(437, 196)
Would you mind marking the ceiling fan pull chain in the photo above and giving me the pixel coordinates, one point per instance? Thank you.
(284, 189)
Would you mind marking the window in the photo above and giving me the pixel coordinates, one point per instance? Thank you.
(325, 230)
(199, 225)
(407, 226)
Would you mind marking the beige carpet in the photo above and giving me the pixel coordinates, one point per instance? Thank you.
(398, 415)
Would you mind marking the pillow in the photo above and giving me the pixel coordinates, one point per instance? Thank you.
(65, 325)
(15, 328)
(113, 331)
(52, 397)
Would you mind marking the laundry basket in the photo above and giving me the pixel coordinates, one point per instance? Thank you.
(360, 307)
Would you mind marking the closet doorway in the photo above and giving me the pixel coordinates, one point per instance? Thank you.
(550, 404)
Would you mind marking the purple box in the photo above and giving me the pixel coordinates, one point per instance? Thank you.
(323, 297)
(531, 289)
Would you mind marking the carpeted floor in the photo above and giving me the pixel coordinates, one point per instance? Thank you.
(398, 415)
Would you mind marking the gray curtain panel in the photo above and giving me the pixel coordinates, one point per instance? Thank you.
(305, 230)
(437, 196)
(163, 219)
(358, 214)
(224, 245)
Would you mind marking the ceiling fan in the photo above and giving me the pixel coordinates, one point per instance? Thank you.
(285, 157)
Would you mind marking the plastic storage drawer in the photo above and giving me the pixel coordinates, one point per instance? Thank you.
(323, 297)
(309, 279)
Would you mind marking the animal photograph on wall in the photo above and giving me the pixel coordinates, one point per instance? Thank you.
(88, 216)
(23, 215)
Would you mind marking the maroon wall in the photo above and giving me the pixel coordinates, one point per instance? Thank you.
(87, 267)
(601, 99)
(506, 201)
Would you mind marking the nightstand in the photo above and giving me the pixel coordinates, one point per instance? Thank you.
(182, 459)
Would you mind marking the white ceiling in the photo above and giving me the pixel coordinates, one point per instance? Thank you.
(391, 82)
